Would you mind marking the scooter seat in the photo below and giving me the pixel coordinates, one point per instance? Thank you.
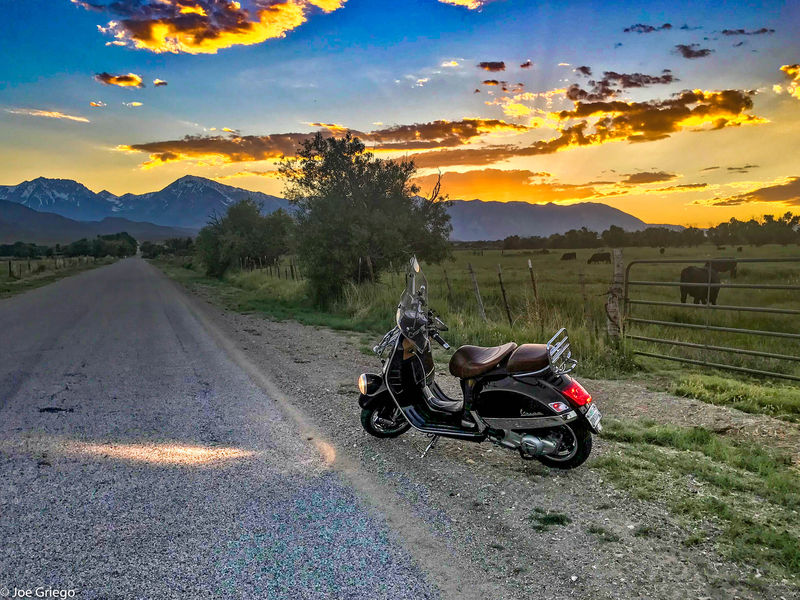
(528, 358)
(471, 361)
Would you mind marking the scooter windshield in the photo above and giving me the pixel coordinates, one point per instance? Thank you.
(412, 318)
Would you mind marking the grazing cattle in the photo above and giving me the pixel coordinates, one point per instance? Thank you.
(543, 251)
(723, 265)
(739, 249)
(599, 257)
(569, 256)
(700, 294)
(662, 250)
(720, 247)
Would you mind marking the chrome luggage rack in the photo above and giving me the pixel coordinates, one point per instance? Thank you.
(560, 354)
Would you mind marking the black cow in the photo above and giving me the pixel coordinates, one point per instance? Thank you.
(599, 257)
(722, 265)
(542, 251)
(569, 256)
(662, 250)
(701, 294)
(739, 249)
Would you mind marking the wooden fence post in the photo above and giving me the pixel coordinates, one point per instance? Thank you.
(535, 289)
(369, 269)
(582, 280)
(505, 299)
(613, 314)
(477, 292)
(449, 287)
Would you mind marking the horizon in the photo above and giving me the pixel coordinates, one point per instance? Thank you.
(487, 92)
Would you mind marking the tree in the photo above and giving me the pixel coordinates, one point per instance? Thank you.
(352, 207)
(242, 234)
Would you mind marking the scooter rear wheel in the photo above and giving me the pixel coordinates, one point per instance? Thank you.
(578, 446)
(384, 421)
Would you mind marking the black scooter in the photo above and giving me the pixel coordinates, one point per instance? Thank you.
(519, 397)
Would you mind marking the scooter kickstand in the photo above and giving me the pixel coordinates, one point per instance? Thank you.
(430, 446)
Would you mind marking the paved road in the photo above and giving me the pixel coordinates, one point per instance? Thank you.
(138, 460)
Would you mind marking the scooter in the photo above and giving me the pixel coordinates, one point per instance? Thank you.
(518, 397)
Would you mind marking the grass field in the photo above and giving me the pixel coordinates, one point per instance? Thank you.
(21, 275)
(572, 294)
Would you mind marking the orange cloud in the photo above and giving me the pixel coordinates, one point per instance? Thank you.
(793, 73)
(470, 4)
(251, 173)
(493, 66)
(127, 80)
(48, 114)
(159, 82)
(518, 185)
(203, 26)
(97, 104)
(237, 148)
(594, 123)
(785, 191)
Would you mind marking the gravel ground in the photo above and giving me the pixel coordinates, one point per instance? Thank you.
(482, 502)
(158, 467)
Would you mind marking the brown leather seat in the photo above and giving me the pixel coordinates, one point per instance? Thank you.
(528, 358)
(471, 361)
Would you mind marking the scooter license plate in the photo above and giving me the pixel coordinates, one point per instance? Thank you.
(593, 416)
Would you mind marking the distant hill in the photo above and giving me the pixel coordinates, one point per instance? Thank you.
(478, 220)
(188, 202)
(20, 223)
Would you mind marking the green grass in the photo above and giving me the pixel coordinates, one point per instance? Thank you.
(571, 294)
(41, 273)
(781, 401)
(543, 520)
(741, 496)
(601, 533)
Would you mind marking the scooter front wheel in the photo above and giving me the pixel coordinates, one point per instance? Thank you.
(574, 449)
(384, 421)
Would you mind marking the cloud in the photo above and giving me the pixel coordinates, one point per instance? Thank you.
(493, 66)
(133, 104)
(48, 114)
(742, 169)
(595, 123)
(642, 28)
(709, 169)
(684, 187)
(793, 87)
(159, 82)
(470, 4)
(518, 185)
(786, 191)
(761, 31)
(493, 82)
(202, 26)
(449, 64)
(526, 65)
(692, 50)
(251, 173)
(584, 70)
(613, 83)
(236, 148)
(97, 104)
(639, 178)
(127, 80)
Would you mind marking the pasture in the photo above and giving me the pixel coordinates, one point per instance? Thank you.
(18, 275)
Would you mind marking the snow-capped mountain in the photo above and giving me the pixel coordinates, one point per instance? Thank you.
(65, 197)
(186, 202)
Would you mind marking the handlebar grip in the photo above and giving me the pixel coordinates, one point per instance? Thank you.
(441, 341)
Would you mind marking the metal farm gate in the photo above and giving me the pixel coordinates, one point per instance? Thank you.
(702, 350)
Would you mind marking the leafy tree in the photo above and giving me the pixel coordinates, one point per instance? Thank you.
(353, 208)
(243, 233)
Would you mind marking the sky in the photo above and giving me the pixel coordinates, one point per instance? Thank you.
(682, 112)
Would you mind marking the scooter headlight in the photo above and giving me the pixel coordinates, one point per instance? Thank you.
(362, 383)
(369, 384)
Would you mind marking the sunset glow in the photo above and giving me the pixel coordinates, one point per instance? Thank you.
(491, 94)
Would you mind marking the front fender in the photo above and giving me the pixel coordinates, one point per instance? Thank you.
(383, 397)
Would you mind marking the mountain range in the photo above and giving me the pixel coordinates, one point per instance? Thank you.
(188, 202)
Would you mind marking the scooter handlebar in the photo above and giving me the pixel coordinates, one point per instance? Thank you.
(435, 335)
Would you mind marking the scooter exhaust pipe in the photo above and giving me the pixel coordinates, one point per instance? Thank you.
(529, 446)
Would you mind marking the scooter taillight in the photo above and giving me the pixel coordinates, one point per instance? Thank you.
(574, 391)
